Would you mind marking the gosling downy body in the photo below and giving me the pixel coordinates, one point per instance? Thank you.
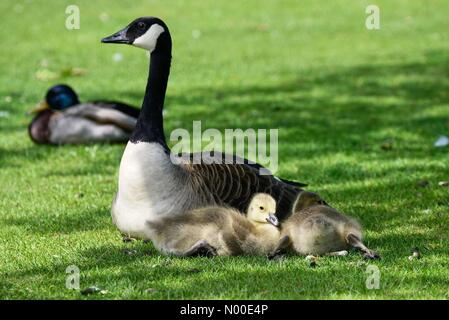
(315, 228)
(219, 231)
(151, 185)
(62, 119)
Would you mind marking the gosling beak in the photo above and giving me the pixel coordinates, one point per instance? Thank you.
(41, 106)
(273, 220)
(118, 37)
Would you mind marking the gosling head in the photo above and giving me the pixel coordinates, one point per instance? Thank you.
(262, 209)
(148, 33)
(58, 97)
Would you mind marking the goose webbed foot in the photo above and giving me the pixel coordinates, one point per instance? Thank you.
(275, 256)
(371, 255)
(128, 239)
(356, 243)
(281, 248)
(201, 249)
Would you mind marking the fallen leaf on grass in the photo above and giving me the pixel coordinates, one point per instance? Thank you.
(443, 183)
(387, 145)
(46, 75)
(104, 16)
(311, 260)
(4, 114)
(117, 57)
(423, 183)
(92, 290)
(151, 290)
(72, 72)
(196, 34)
(130, 252)
(194, 270)
(262, 27)
(442, 142)
(416, 254)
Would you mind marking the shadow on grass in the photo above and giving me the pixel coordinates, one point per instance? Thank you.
(346, 109)
(66, 224)
(9, 156)
(236, 277)
(350, 110)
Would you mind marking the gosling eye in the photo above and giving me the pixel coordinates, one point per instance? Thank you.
(261, 208)
(141, 25)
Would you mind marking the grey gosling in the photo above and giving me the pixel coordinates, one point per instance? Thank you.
(219, 231)
(317, 229)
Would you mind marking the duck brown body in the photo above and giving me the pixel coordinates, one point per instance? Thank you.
(83, 123)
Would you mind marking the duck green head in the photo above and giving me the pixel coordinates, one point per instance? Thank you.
(58, 97)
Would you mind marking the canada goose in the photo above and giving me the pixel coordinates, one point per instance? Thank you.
(62, 119)
(219, 230)
(150, 184)
(316, 228)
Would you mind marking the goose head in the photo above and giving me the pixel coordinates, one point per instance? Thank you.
(262, 209)
(58, 97)
(148, 33)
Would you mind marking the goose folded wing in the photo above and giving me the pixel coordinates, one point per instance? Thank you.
(263, 169)
(235, 182)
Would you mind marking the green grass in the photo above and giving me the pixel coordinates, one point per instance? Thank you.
(335, 90)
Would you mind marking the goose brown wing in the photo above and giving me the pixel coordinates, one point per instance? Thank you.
(234, 184)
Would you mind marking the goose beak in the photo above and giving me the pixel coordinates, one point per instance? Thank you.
(118, 37)
(41, 106)
(273, 220)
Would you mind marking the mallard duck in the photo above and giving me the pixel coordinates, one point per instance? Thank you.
(315, 228)
(62, 119)
(219, 230)
(151, 185)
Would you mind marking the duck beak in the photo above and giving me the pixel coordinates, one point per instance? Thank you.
(118, 37)
(41, 106)
(273, 220)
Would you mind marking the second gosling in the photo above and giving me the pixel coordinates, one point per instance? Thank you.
(220, 231)
(315, 228)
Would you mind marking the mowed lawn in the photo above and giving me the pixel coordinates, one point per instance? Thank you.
(358, 112)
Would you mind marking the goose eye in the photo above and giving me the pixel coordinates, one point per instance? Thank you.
(141, 25)
(261, 208)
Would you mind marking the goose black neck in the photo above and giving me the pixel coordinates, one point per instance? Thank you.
(150, 126)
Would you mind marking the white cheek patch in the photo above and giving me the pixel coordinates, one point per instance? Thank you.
(148, 40)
